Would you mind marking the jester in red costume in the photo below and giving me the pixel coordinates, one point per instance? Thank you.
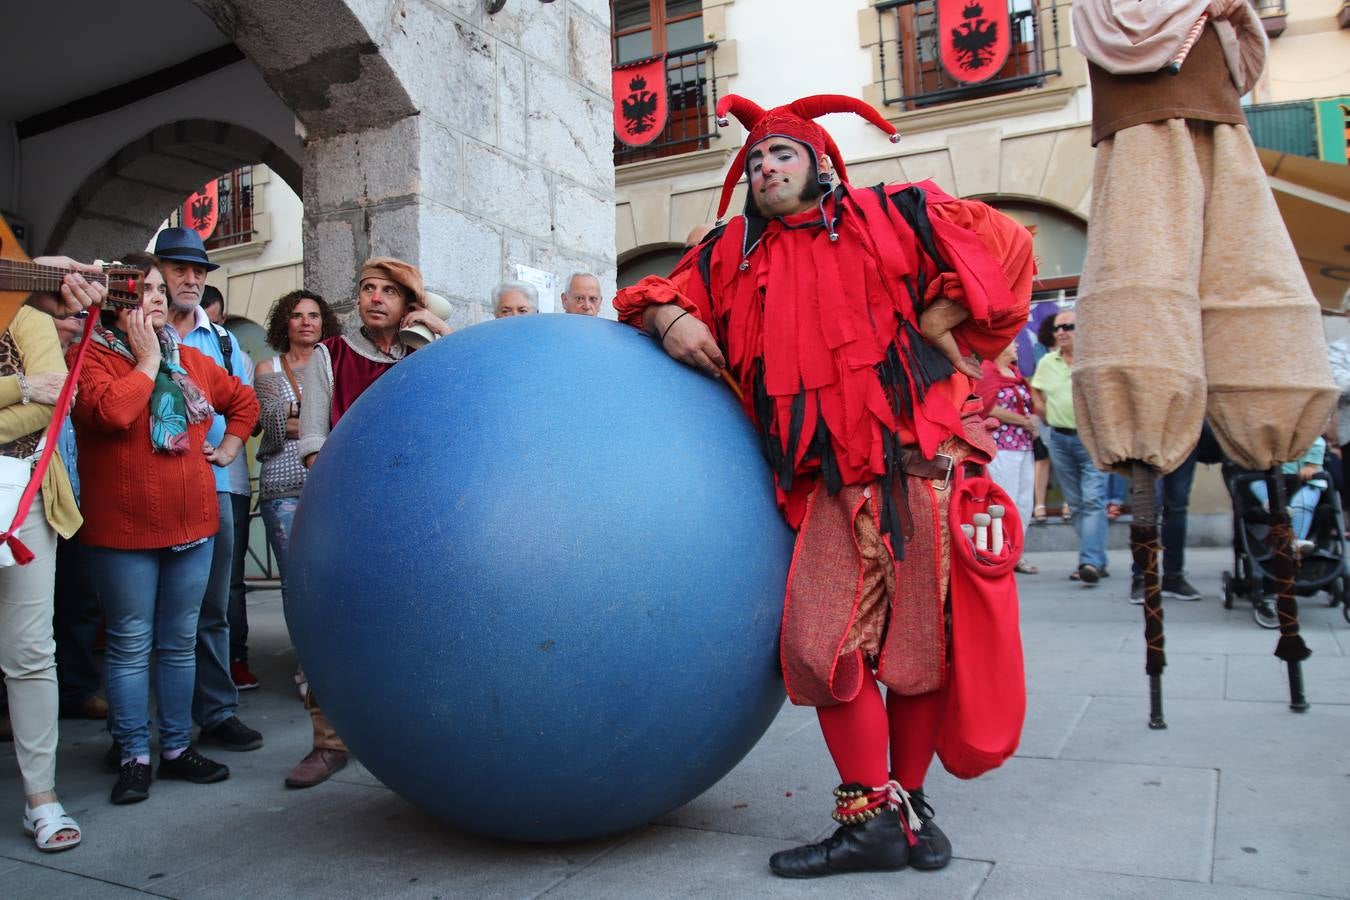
(846, 317)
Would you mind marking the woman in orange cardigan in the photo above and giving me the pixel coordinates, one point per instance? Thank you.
(150, 516)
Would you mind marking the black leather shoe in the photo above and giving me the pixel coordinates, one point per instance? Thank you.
(877, 845)
(933, 850)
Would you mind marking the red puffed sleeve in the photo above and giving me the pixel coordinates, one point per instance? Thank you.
(684, 287)
(993, 267)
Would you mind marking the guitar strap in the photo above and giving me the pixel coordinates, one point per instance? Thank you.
(22, 555)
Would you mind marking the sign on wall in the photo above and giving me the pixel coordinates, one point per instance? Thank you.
(640, 101)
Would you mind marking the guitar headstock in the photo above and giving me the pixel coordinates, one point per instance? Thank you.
(124, 285)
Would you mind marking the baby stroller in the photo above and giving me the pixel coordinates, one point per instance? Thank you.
(1322, 566)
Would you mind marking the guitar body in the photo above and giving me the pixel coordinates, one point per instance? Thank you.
(10, 301)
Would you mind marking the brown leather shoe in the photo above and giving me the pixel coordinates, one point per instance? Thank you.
(92, 707)
(316, 768)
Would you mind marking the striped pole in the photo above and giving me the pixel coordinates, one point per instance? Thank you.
(1174, 67)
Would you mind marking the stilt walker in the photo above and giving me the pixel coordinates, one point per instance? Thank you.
(1189, 270)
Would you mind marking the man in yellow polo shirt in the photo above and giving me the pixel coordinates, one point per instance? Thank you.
(1083, 484)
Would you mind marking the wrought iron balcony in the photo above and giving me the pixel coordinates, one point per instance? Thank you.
(912, 76)
(691, 82)
(1273, 16)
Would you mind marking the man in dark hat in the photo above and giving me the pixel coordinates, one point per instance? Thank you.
(215, 704)
(843, 317)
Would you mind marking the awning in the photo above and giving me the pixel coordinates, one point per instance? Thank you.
(1314, 199)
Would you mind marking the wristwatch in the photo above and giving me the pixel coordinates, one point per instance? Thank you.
(23, 389)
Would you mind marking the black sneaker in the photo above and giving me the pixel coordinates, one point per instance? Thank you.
(192, 766)
(232, 734)
(1137, 590)
(133, 783)
(1176, 587)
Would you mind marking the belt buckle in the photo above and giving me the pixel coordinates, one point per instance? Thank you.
(951, 467)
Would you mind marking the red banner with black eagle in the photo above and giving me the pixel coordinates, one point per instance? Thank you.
(974, 37)
(202, 209)
(641, 102)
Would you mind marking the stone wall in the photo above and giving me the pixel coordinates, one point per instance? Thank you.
(506, 158)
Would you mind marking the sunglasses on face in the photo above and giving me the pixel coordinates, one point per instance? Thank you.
(1067, 327)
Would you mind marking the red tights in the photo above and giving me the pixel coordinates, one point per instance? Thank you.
(858, 732)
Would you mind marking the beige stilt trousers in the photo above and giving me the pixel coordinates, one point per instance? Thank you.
(1193, 303)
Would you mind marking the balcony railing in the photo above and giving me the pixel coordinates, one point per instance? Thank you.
(1273, 15)
(912, 76)
(691, 83)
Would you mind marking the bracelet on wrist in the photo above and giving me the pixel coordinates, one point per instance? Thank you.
(24, 390)
(682, 314)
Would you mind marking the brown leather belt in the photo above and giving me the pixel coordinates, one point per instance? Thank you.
(939, 468)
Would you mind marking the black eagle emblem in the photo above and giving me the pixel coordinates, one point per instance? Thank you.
(974, 39)
(200, 213)
(639, 107)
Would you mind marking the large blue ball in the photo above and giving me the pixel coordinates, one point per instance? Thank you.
(536, 580)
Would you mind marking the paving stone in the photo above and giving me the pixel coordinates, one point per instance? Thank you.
(1326, 679)
(1113, 817)
(678, 862)
(34, 880)
(782, 789)
(1076, 671)
(1017, 881)
(1051, 718)
(366, 842)
(1238, 635)
(1285, 831)
(1212, 734)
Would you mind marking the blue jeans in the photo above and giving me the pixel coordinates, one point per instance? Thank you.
(150, 601)
(1117, 489)
(1174, 499)
(1301, 504)
(216, 698)
(1084, 487)
(238, 610)
(278, 514)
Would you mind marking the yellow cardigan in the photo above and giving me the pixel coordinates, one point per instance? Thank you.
(40, 348)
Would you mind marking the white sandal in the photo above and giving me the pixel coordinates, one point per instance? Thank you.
(46, 822)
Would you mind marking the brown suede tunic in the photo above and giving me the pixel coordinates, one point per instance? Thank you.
(1203, 90)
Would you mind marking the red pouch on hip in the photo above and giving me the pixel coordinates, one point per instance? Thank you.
(986, 696)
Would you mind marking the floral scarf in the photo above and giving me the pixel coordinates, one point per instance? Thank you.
(176, 399)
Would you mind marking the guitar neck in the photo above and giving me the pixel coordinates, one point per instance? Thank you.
(20, 275)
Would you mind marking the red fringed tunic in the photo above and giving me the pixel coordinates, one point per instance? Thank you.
(823, 337)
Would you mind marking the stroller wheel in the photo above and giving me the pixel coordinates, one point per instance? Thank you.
(1263, 611)
(1228, 591)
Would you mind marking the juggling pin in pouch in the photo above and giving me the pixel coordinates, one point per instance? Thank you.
(981, 521)
(996, 537)
(968, 531)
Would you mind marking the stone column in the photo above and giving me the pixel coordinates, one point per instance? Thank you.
(506, 159)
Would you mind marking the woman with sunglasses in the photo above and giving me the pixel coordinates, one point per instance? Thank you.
(1083, 484)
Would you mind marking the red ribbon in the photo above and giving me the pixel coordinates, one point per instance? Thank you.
(22, 555)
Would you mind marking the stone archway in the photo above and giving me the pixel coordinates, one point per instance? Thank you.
(125, 199)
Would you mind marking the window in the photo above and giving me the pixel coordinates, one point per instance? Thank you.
(912, 77)
(645, 28)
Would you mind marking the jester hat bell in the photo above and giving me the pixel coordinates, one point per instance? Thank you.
(791, 121)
